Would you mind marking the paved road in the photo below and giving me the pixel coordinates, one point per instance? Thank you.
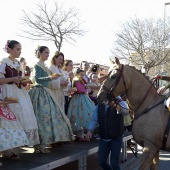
(92, 164)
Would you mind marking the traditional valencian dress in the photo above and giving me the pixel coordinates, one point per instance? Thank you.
(66, 90)
(81, 107)
(53, 124)
(59, 92)
(23, 109)
(12, 134)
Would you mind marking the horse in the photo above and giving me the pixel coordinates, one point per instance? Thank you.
(150, 117)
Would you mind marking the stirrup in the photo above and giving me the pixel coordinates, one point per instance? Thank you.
(11, 156)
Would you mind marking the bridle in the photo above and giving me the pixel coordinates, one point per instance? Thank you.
(111, 91)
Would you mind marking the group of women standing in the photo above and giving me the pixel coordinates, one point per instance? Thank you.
(43, 114)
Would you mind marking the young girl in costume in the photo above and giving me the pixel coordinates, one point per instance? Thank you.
(12, 134)
(26, 70)
(94, 85)
(67, 70)
(81, 106)
(11, 67)
(54, 126)
(84, 65)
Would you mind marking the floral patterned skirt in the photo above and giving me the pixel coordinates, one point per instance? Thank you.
(53, 124)
(12, 134)
(23, 111)
(80, 111)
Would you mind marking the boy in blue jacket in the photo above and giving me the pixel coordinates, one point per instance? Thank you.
(109, 118)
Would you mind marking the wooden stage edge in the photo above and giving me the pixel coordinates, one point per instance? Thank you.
(59, 156)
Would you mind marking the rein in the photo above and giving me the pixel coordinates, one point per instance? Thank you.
(155, 79)
(147, 110)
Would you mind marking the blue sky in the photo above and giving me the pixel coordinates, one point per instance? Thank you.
(100, 17)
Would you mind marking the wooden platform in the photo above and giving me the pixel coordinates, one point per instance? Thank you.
(58, 156)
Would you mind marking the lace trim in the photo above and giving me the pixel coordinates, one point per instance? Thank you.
(44, 67)
(15, 64)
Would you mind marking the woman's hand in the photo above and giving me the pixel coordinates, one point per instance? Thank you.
(158, 76)
(55, 76)
(65, 83)
(88, 135)
(16, 79)
(113, 104)
(73, 89)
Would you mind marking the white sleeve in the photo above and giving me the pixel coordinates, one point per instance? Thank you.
(53, 69)
(54, 84)
(2, 67)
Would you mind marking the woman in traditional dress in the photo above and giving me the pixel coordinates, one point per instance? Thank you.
(12, 134)
(81, 107)
(57, 62)
(26, 70)
(54, 126)
(10, 67)
(84, 65)
(67, 70)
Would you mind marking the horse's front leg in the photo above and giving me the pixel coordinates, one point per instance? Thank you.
(155, 162)
(150, 152)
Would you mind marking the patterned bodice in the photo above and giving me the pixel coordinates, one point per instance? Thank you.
(12, 72)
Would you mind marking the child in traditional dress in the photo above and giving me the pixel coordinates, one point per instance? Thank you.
(84, 65)
(81, 106)
(12, 134)
(94, 85)
(68, 90)
(26, 71)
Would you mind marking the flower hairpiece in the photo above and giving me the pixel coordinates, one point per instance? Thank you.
(6, 48)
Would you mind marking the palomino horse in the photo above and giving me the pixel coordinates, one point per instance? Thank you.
(150, 118)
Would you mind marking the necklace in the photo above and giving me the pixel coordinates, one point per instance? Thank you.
(13, 61)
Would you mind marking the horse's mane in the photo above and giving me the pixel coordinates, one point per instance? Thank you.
(143, 74)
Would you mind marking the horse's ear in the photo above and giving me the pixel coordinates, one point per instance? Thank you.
(117, 61)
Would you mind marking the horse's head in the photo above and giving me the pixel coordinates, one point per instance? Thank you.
(109, 86)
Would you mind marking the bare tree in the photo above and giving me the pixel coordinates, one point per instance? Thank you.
(143, 43)
(49, 24)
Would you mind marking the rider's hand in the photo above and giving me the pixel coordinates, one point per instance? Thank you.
(158, 76)
(118, 107)
(161, 90)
